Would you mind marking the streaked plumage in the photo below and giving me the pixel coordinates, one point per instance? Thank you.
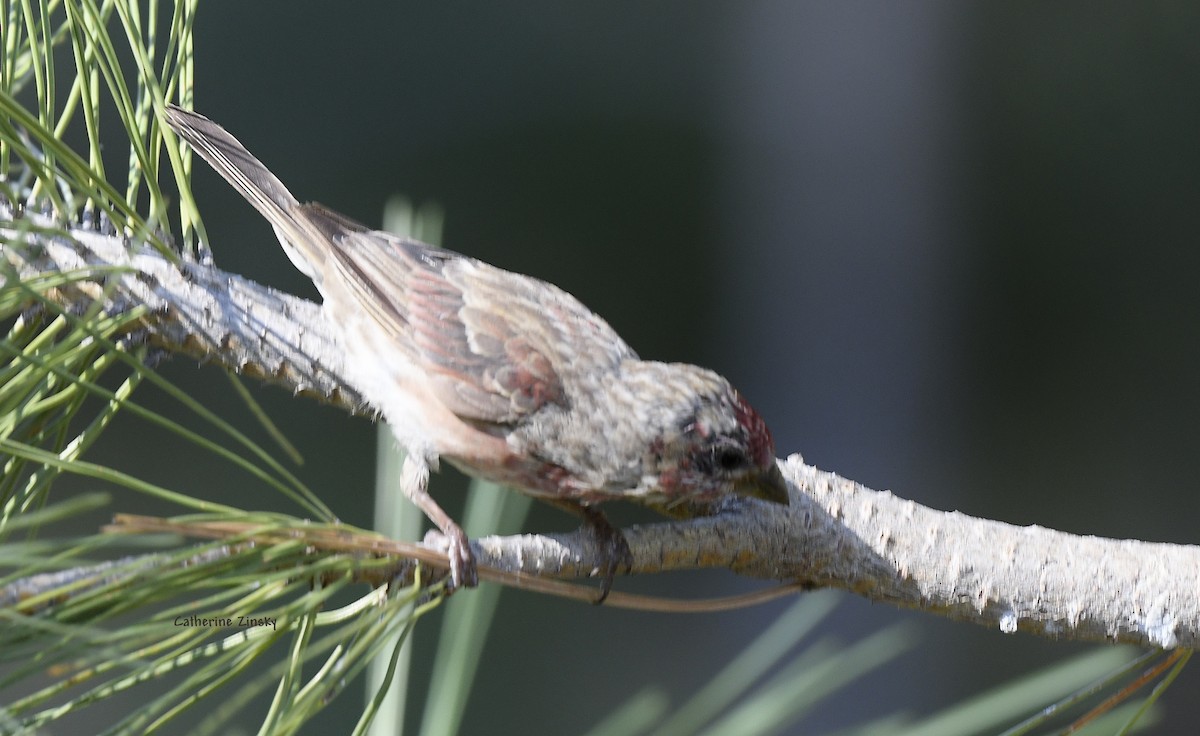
(505, 376)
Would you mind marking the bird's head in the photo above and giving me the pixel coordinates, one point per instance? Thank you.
(709, 443)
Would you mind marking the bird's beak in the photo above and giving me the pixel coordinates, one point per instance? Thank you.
(769, 486)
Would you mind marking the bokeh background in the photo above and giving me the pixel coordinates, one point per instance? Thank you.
(947, 249)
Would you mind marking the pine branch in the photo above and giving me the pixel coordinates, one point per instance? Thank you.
(196, 309)
(836, 533)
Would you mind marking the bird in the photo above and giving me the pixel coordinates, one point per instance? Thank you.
(504, 376)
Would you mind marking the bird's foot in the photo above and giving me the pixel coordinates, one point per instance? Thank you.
(614, 548)
(457, 548)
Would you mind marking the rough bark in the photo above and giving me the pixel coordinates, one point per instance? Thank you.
(836, 533)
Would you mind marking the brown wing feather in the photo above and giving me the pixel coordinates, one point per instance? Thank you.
(492, 342)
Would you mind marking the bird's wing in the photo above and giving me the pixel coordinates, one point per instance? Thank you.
(492, 342)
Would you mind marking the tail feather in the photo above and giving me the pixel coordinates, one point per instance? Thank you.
(254, 181)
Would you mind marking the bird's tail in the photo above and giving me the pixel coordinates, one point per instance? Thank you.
(306, 248)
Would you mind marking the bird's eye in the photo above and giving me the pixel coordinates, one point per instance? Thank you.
(729, 458)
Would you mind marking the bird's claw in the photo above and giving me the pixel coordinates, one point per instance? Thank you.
(615, 550)
(457, 548)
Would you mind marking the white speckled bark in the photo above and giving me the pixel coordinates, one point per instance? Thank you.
(836, 533)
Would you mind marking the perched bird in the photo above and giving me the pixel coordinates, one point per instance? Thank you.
(506, 377)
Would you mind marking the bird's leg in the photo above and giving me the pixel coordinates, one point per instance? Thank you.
(414, 481)
(613, 545)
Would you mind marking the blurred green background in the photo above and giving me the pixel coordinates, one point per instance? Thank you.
(946, 249)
